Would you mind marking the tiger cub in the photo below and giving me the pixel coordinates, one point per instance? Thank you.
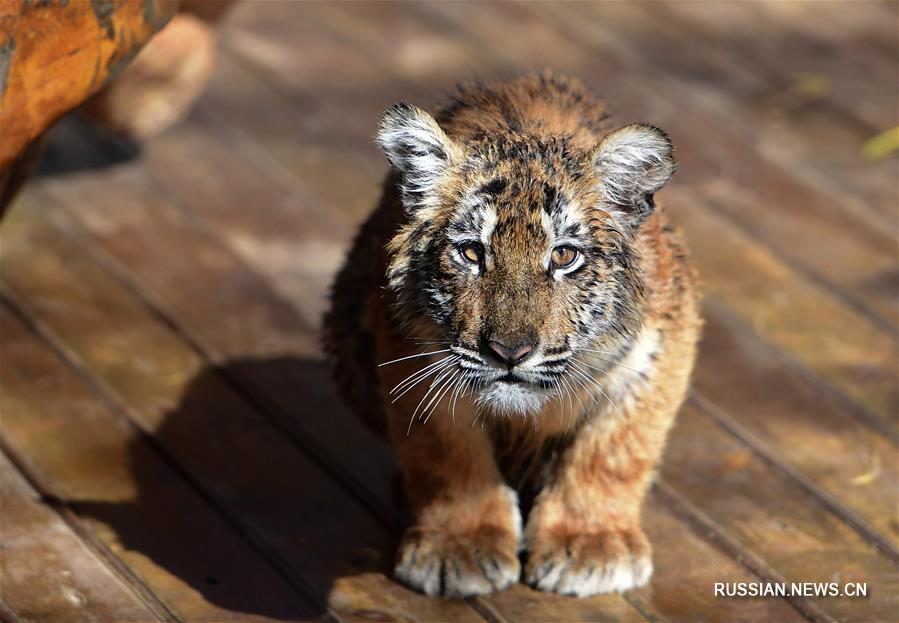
(520, 317)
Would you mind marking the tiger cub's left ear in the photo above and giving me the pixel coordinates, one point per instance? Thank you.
(418, 149)
(633, 163)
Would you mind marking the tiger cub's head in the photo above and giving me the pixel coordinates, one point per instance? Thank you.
(517, 253)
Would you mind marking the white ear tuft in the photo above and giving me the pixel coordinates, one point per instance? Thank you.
(633, 163)
(416, 146)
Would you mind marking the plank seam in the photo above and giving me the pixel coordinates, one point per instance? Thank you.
(100, 550)
(485, 610)
(640, 606)
(770, 456)
(8, 614)
(708, 529)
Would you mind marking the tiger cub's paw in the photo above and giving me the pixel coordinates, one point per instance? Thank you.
(589, 564)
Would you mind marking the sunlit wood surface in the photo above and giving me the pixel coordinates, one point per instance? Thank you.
(173, 449)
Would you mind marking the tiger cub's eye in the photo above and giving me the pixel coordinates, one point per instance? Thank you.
(563, 257)
(472, 251)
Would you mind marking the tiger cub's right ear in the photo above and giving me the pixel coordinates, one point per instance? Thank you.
(416, 146)
(633, 163)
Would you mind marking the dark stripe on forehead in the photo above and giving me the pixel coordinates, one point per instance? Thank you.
(528, 223)
(494, 187)
(549, 199)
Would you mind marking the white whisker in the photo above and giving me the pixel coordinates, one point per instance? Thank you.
(597, 385)
(460, 385)
(414, 374)
(423, 398)
(433, 352)
(561, 403)
(423, 370)
(602, 352)
(441, 370)
(437, 380)
(446, 387)
(613, 363)
(580, 384)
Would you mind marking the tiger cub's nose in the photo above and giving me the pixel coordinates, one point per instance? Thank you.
(510, 355)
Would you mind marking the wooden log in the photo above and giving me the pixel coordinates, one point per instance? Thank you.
(54, 55)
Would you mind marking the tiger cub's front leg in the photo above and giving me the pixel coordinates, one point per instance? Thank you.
(466, 530)
(583, 534)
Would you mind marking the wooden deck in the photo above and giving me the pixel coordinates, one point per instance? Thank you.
(173, 449)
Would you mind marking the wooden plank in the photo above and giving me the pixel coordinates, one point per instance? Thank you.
(848, 49)
(681, 588)
(774, 517)
(694, 570)
(48, 573)
(800, 117)
(787, 310)
(92, 460)
(854, 45)
(374, 597)
(8, 614)
(301, 520)
(808, 427)
(260, 336)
